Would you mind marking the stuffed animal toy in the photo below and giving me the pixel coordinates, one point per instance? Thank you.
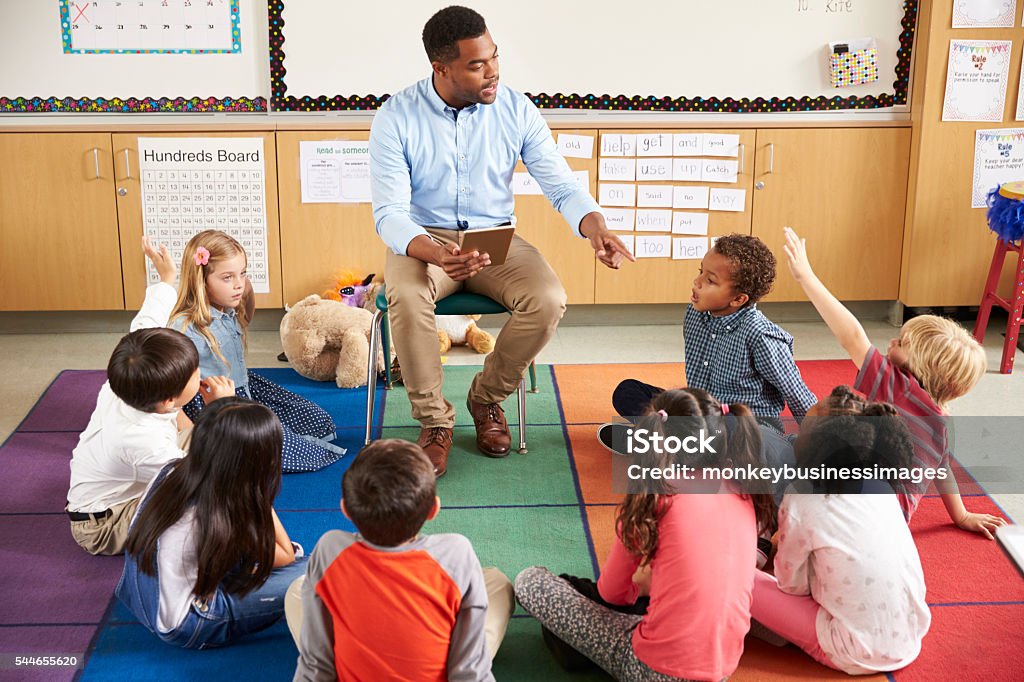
(462, 329)
(451, 329)
(326, 340)
(345, 279)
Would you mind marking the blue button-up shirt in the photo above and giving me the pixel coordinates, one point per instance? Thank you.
(226, 329)
(435, 166)
(745, 358)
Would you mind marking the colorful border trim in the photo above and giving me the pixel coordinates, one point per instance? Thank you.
(131, 105)
(136, 105)
(281, 101)
(65, 32)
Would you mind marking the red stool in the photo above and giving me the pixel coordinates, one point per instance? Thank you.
(1014, 306)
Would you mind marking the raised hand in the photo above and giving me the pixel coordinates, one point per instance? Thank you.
(161, 259)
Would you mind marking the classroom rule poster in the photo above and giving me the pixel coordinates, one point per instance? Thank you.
(998, 158)
(195, 184)
(976, 80)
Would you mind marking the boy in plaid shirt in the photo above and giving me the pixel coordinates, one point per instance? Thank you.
(732, 350)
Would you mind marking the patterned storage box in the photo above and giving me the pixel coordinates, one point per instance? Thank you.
(856, 67)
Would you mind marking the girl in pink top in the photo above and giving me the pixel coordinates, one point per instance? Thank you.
(693, 554)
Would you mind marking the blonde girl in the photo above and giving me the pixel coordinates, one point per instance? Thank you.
(214, 307)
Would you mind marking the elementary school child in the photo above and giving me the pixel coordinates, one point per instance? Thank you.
(932, 362)
(692, 553)
(132, 433)
(389, 603)
(848, 587)
(207, 560)
(214, 307)
(731, 349)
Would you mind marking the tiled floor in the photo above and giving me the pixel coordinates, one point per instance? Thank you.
(29, 362)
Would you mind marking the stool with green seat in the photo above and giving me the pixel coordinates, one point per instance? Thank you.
(459, 303)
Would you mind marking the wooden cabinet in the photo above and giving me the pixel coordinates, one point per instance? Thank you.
(129, 214)
(58, 223)
(664, 280)
(845, 191)
(71, 220)
(571, 257)
(318, 240)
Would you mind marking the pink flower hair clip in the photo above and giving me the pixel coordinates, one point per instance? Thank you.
(202, 255)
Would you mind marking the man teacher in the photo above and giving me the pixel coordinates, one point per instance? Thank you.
(442, 155)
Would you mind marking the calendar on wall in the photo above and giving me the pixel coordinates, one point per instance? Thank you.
(150, 26)
(194, 184)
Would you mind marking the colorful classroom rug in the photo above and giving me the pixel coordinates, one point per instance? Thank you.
(552, 506)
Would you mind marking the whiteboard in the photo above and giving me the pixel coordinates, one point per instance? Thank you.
(337, 54)
(37, 75)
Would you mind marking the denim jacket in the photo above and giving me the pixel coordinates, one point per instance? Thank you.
(228, 332)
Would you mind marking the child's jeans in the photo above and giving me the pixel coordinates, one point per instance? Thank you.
(216, 622)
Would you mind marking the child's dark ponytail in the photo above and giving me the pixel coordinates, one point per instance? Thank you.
(744, 449)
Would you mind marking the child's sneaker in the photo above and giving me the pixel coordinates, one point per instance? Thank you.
(614, 437)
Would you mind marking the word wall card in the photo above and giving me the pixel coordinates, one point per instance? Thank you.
(637, 191)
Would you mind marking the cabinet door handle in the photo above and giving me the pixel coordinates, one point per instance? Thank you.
(771, 158)
(743, 151)
(96, 161)
(127, 166)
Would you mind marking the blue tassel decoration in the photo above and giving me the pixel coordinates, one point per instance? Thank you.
(1005, 216)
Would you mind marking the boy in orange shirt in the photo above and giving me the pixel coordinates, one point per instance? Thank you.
(388, 603)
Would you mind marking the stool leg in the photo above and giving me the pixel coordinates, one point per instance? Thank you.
(371, 373)
(522, 416)
(533, 377)
(386, 340)
(991, 285)
(1013, 324)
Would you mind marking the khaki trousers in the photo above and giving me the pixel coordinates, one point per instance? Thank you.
(106, 536)
(524, 283)
(501, 602)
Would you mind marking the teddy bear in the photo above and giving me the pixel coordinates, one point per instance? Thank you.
(452, 330)
(326, 340)
(461, 329)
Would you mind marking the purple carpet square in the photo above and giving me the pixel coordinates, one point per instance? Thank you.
(36, 472)
(49, 640)
(52, 579)
(67, 403)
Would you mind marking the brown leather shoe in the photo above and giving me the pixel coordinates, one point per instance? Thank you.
(436, 441)
(492, 437)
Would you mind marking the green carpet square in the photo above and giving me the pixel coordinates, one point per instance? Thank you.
(514, 539)
(541, 407)
(542, 476)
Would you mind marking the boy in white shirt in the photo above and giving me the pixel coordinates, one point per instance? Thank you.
(133, 433)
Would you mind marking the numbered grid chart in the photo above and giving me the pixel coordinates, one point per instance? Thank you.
(144, 26)
(178, 202)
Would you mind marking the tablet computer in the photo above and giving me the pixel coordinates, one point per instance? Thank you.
(494, 241)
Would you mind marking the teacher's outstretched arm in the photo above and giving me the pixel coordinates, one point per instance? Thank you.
(609, 249)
